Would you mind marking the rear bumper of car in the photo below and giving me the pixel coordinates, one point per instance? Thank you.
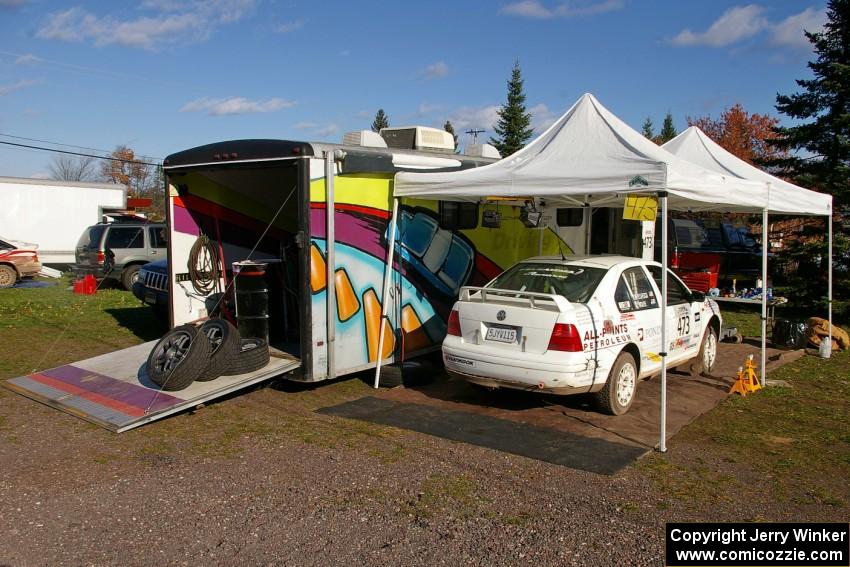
(528, 373)
(29, 269)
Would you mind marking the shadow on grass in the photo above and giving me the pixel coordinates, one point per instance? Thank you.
(141, 321)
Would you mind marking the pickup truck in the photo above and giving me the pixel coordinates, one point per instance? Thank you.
(711, 245)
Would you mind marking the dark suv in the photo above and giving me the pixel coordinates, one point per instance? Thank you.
(117, 250)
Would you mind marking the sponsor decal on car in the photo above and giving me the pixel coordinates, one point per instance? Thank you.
(460, 361)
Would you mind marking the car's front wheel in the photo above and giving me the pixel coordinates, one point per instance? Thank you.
(704, 362)
(619, 392)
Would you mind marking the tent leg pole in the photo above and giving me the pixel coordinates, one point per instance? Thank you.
(829, 276)
(764, 246)
(662, 442)
(588, 218)
(385, 296)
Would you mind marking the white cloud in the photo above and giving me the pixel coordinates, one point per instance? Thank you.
(305, 125)
(289, 26)
(328, 130)
(533, 9)
(235, 105)
(542, 118)
(40, 175)
(789, 32)
(174, 22)
(467, 117)
(436, 70)
(735, 24)
(425, 108)
(27, 59)
(22, 84)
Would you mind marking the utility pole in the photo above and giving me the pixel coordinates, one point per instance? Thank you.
(474, 133)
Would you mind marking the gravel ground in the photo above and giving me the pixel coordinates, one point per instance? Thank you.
(261, 479)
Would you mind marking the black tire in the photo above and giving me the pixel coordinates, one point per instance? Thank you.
(178, 358)
(703, 364)
(613, 398)
(129, 276)
(409, 373)
(225, 344)
(8, 276)
(253, 355)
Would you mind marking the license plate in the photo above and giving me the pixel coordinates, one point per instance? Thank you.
(501, 334)
(150, 297)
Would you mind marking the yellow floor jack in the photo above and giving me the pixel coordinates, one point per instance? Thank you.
(747, 381)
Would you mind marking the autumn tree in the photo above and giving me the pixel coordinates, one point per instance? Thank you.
(747, 136)
(72, 168)
(647, 127)
(141, 177)
(448, 127)
(380, 121)
(514, 124)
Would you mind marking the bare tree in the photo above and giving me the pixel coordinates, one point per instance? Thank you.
(73, 168)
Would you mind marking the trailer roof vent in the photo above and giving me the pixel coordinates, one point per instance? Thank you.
(365, 138)
(419, 138)
(482, 150)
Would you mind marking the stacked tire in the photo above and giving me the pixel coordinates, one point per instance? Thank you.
(190, 353)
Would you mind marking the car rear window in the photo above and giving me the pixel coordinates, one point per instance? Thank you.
(91, 237)
(576, 283)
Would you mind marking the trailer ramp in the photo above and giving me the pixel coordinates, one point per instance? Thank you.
(113, 390)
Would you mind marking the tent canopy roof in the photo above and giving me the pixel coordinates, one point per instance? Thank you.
(590, 156)
(784, 197)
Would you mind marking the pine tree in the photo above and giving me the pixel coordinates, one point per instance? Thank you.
(451, 130)
(823, 107)
(647, 128)
(668, 130)
(380, 121)
(514, 125)
(822, 138)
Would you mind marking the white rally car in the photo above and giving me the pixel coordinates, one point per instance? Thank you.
(578, 325)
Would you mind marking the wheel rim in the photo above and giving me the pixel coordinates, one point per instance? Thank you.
(7, 277)
(626, 381)
(710, 353)
(215, 336)
(172, 351)
(134, 277)
(249, 346)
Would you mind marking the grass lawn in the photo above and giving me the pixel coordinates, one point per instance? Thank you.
(782, 444)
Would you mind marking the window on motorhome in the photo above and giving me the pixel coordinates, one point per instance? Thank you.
(570, 217)
(458, 216)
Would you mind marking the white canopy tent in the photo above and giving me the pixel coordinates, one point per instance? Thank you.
(782, 197)
(588, 157)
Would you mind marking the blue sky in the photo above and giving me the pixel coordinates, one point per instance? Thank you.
(165, 75)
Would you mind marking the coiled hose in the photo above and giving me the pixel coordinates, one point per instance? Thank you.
(204, 266)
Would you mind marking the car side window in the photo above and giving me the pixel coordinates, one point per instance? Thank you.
(636, 291)
(159, 238)
(676, 292)
(125, 237)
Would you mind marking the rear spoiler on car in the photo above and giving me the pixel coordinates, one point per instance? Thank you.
(480, 295)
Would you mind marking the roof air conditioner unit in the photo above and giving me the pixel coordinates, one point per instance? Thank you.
(364, 138)
(482, 150)
(419, 138)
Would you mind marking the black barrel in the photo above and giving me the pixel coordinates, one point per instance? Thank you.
(252, 299)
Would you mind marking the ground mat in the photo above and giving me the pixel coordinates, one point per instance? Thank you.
(550, 445)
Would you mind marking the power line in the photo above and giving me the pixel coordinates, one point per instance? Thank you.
(109, 158)
(66, 145)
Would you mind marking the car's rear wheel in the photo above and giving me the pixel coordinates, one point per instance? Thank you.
(619, 392)
(704, 362)
(8, 276)
(129, 276)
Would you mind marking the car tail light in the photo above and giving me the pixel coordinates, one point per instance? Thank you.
(674, 260)
(454, 323)
(101, 257)
(565, 337)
